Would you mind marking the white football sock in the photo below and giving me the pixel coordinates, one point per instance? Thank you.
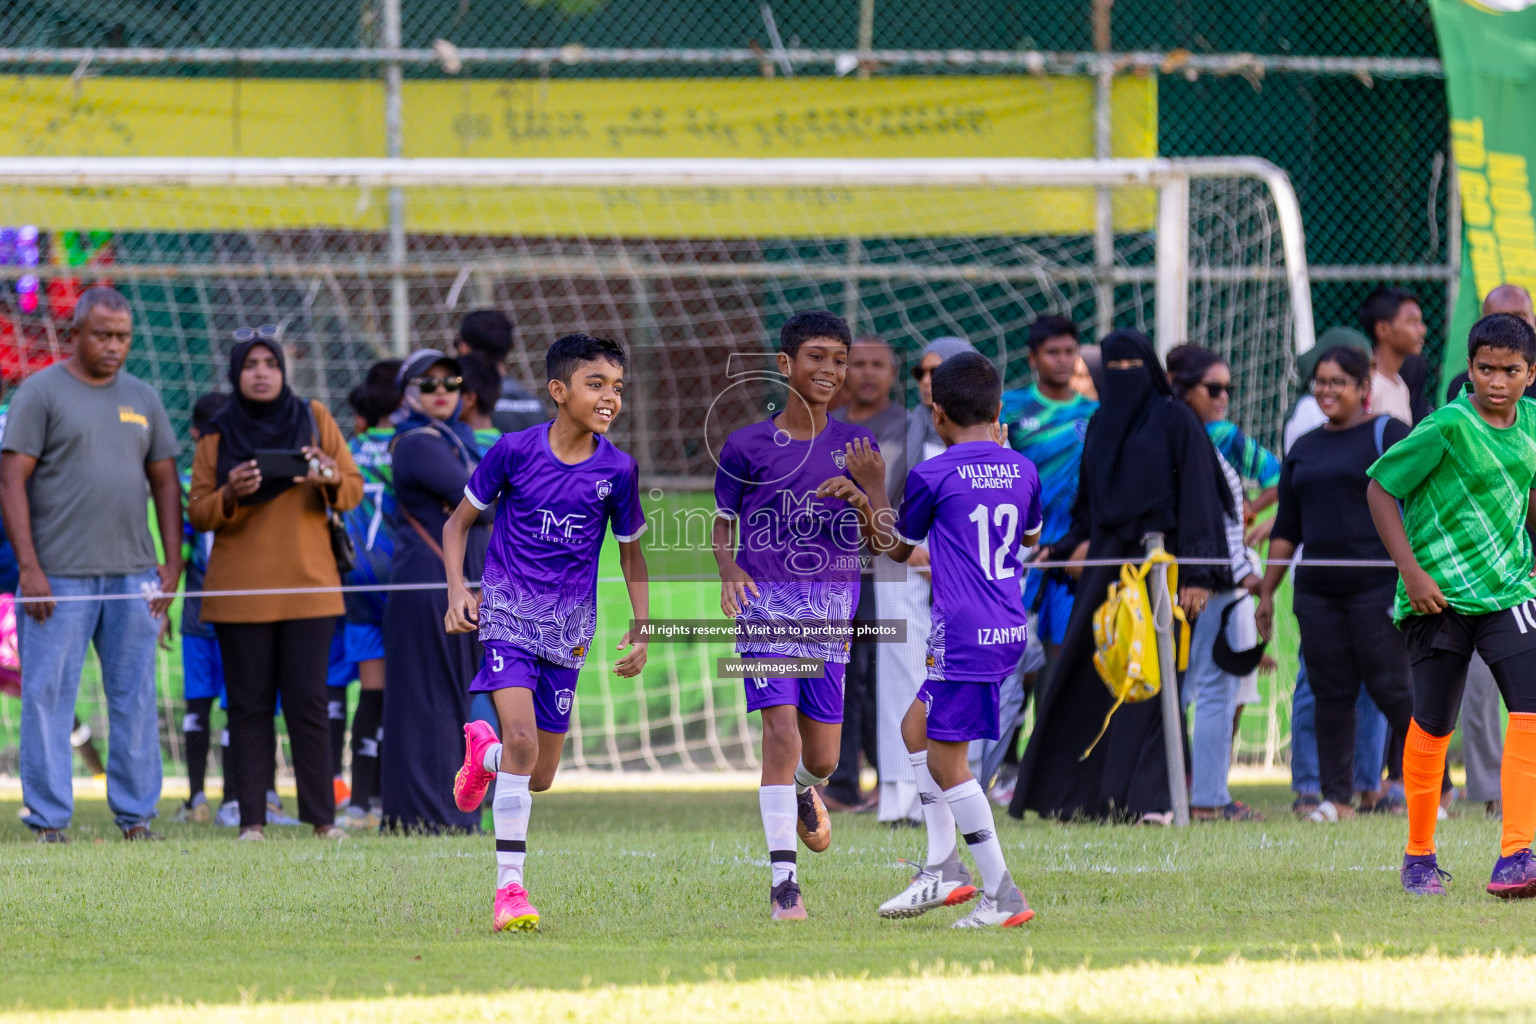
(492, 760)
(973, 816)
(509, 812)
(804, 780)
(777, 804)
(938, 818)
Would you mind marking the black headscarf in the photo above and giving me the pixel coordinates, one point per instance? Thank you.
(244, 426)
(1130, 449)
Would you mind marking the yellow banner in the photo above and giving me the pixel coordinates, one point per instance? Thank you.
(803, 117)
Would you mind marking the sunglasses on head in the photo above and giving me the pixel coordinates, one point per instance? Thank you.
(429, 385)
(1216, 390)
(266, 332)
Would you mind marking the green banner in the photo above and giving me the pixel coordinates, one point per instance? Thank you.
(1489, 50)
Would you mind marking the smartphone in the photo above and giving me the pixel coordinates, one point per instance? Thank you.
(281, 463)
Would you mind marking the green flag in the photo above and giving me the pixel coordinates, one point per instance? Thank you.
(1489, 50)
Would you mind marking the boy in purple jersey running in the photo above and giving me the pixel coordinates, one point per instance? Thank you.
(796, 567)
(557, 487)
(977, 506)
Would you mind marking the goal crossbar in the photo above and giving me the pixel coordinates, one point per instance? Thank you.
(1170, 176)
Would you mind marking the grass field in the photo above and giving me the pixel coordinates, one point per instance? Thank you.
(655, 909)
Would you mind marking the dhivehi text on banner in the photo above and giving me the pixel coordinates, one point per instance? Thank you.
(994, 116)
(1489, 51)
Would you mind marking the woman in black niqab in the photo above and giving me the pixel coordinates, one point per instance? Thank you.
(1148, 467)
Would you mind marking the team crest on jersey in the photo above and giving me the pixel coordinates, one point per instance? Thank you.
(563, 700)
(604, 488)
(839, 459)
(1080, 428)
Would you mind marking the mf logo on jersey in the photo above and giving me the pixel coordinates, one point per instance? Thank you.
(604, 488)
(839, 459)
(564, 699)
(551, 522)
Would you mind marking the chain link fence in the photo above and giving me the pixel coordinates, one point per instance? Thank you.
(1347, 97)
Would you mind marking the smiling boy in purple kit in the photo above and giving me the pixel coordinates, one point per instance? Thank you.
(977, 507)
(787, 558)
(557, 488)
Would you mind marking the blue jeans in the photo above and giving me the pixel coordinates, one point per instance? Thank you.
(1370, 740)
(1214, 694)
(52, 654)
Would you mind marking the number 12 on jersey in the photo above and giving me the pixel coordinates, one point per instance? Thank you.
(994, 564)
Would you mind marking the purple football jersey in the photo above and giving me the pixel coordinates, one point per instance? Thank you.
(973, 504)
(801, 550)
(540, 582)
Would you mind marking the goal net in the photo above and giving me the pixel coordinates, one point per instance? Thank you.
(692, 265)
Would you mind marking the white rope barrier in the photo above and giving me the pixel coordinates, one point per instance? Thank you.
(152, 593)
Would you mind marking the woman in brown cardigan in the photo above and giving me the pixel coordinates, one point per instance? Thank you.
(271, 534)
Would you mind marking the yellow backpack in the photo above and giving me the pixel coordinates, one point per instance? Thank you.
(1125, 639)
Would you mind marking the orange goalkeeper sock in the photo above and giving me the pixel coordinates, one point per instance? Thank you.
(1517, 783)
(1423, 768)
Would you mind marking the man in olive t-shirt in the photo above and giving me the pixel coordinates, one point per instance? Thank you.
(85, 444)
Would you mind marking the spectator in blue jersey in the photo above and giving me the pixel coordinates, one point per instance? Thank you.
(358, 650)
(489, 332)
(1046, 423)
(427, 671)
(1203, 381)
(202, 674)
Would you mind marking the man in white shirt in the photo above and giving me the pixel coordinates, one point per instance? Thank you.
(1394, 321)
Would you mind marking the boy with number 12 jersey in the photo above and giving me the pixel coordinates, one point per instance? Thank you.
(557, 488)
(977, 506)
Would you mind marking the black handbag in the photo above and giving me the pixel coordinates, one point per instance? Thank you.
(342, 547)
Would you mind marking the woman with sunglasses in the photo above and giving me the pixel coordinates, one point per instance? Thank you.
(1345, 615)
(1203, 381)
(426, 671)
(271, 533)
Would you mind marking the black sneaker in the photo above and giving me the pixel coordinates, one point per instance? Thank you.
(141, 834)
(51, 835)
(787, 902)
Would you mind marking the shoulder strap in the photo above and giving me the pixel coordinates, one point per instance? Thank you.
(421, 531)
(1381, 435)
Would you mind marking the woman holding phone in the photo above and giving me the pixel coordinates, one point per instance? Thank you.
(262, 480)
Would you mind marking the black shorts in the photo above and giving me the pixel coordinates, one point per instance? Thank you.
(1497, 636)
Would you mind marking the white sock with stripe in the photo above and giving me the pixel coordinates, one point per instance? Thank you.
(973, 816)
(509, 812)
(938, 818)
(804, 780)
(777, 805)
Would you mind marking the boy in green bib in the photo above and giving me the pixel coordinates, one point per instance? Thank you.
(1463, 478)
